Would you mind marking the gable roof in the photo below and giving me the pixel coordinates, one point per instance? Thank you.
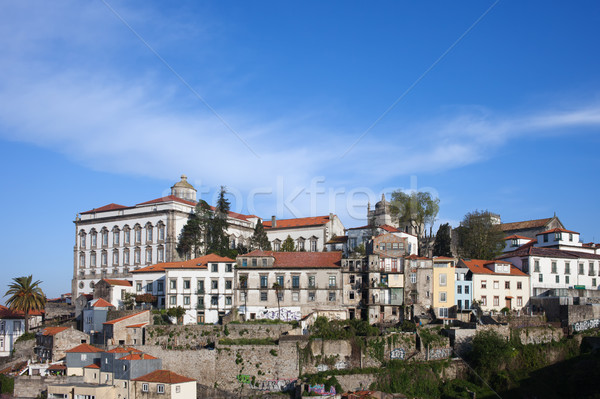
(84, 348)
(557, 230)
(297, 222)
(518, 237)
(136, 325)
(106, 208)
(164, 376)
(125, 317)
(120, 349)
(168, 198)
(530, 250)
(301, 259)
(92, 366)
(101, 303)
(7, 313)
(478, 266)
(124, 283)
(389, 228)
(196, 263)
(138, 356)
(53, 330)
(527, 224)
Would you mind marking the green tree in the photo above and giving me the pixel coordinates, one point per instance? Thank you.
(418, 209)
(277, 287)
(218, 241)
(489, 353)
(128, 300)
(259, 239)
(178, 313)
(443, 242)
(25, 296)
(479, 237)
(193, 237)
(288, 245)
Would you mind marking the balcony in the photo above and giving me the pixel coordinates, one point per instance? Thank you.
(200, 291)
(332, 286)
(200, 306)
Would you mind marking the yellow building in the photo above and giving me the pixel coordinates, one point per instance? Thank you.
(443, 286)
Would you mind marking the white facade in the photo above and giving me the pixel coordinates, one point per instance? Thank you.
(10, 331)
(309, 234)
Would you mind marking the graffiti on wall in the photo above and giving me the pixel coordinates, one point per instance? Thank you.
(322, 367)
(397, 354)
(268, 385)
(439, 353)
(586, 325)
(341, 365)
(287, 314)
(319, 389)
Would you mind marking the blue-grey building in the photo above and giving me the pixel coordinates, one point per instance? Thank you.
(94, 315)
(463, 289)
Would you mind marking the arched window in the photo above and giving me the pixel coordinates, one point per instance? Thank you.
(149, 255)
(277, 245)
(82, 260)
(126, 235)
(138, 233)
(116, 236)
(137, 256)
(161, 231)
(93, 259)
(93, 238)
(104, 237)
(115, 260)
(300, 244)
(82, 240)
(126, 257)
(104, 259)
(149, 232)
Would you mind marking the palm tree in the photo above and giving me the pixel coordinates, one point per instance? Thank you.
(25, 296)
(277, 287)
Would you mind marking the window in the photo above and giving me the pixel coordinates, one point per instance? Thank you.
(331, 296)
(443, 279)
(483, 300)
(144, 387)
(116, 238)
(186, 300)
(313, 246)
(557, 279)
(279, 280)
(160, 388)
(592, 272)
(264, 281)
(483, 284)
(443, 312)
(280, 295)
(138, 286)
(228, 267)
(581, 268)
(254, 262)
(82, 240)
(311, 281)
(242, 296)
(570, 236)
(557, 236)
(496, 301)
(173, 284)
(137, 256)
(264, 262)
(228, 284)
(200, 302)
(244, 262)
(177, 388)
(566, 279)
(149, 231)
(214, 267)
(295, 296)
(554, 268)
(214, 300)
(187, 284)
(161, 233)
(104, 258)
(93, 259)
(519, 285)
(300, 245)
(519, 301)
(138, 234)
(276, 245)
(311, 296)
(126, 257)
(214, 284)
(173, 300)
(536, 266)
(413, 278)
(115, 260)
(467, 304)
(159, 286)
(442, 297)
(82, 260)
(545, 237)
(126, 236)
(83, 356)
(567, 268)
(104, 238)
(541, 278)
(149, 255)
(228, 300)
(507, 285)
(496, 285)
(264, 296)
(332, 282)
(459, 289)
(161, 254)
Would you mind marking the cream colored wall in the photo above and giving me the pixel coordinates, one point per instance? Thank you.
(91, 375)
(187, 390)
(395, 280)
(448, 288)
(78, 371)
(500, 292)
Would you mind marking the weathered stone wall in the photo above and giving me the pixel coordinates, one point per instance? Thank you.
(59, 310)
(540, 335)
(356, 382)
(66, 340)
(578, 313)
(194, 336)
(32, 386)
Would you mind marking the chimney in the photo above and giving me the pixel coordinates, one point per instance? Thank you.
(142, 356)
(273, 222)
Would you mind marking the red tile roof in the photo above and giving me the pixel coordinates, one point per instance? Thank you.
(84, 348)
(389, 228)
(527, 224)
(413, 257)
(479, 266)
(301, 259)
(530, 250)
(125, 317)
(120, 349)
(57, 367)
(124, 283)
(92, 366)
(168, 198)
(297, 222)
(105, 208)
(196, 263)
(138, 356)
(53, 330)
(136, 325)
(164, 376)
(557, 230)
(7, 313)
(360, 228)
(518, 237)
(101, 303)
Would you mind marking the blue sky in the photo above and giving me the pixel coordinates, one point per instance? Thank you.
(490, 105)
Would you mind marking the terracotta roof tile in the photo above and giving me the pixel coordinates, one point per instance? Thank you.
(57, 367)
(101, 303)
(124, 283)
(53, 330)
(138, 356)
(478, 266)
(106, 208)
(297, 222)
(389, 228)
(168, 198)
(84, 348)
(125, 317)
(196, 263)
(301, 259)
(530, 250)
(518, 237)
(557, 230)
(92, 366)
(136, 325)
(164, 376)
(120, 349)
(527, 224)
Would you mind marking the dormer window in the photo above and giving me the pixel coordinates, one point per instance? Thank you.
(570, 236)
(557, 236)
(515, 242)
(546, 237)
(264, 262)
(254, 262)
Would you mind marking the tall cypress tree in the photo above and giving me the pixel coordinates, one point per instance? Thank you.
(193, 237)
(259, 239)
(218, 241)
(288, 245)
(442, 244)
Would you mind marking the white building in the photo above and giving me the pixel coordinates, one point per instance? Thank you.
(202, 286)
(497, 284)
(557, 260)
(113, 240)
(309, 234)
(12, 326)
